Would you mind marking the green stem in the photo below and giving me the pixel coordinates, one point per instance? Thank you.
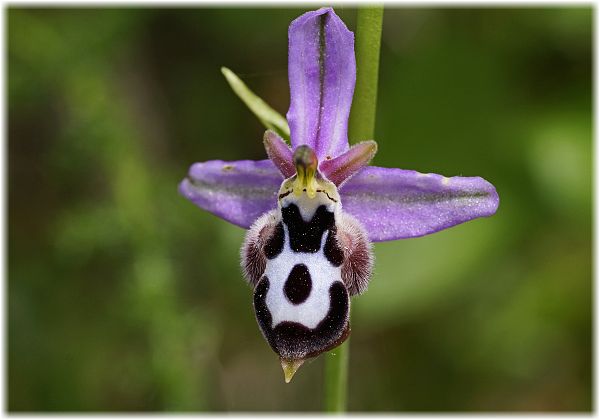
(361, 127)
(336, 378)
(367, 45)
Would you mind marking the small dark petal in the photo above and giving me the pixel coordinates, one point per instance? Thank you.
(279, 153)
(344, 166)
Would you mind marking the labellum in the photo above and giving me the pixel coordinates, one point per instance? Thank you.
(305, 259)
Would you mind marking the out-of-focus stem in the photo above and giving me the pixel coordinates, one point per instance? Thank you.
(361, 127)
(367, 45)
(336, 378)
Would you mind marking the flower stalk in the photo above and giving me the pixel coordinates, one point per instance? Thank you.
(361, 127)
(336, 378)
(366, 45)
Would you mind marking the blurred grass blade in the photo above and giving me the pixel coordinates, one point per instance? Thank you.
(267, 115)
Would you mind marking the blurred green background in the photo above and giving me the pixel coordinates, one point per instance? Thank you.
(123, 296)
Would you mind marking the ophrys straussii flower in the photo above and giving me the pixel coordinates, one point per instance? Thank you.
(313, 210)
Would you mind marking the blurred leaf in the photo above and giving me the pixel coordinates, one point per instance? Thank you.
(267, 115)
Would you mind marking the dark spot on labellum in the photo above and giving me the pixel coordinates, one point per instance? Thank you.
(298, 284)
(306, 236)
(274, 244)
(263, 316)
(293, 340)
(332, 251)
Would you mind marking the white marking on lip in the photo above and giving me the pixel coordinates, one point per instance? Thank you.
(323, 274)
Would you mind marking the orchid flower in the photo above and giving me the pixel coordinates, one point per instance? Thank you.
(313, 209)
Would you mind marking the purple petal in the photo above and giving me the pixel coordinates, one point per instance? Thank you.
(341, 168)
(279, 153)
(239, 192)
(396, 204)
(322, 72)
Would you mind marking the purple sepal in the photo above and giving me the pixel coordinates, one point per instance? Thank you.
(239, 192)
(322, 73)
(280, 153)
(340, 169)
(397, 204)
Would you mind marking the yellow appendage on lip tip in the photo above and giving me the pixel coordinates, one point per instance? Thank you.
(290, 367)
